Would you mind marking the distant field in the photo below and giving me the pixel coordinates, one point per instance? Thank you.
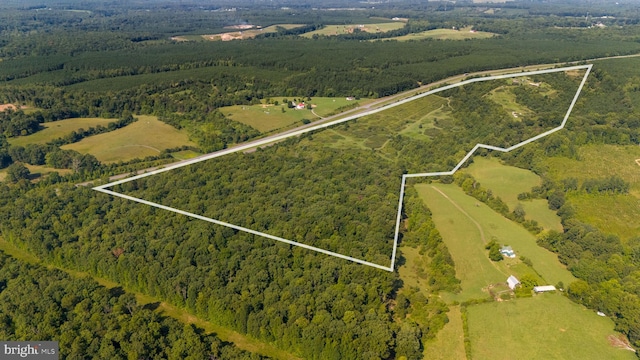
(600, 161)
(445, 34)
(449, 342)
(507, 182)
(615, 214)
(146, 137)
(547, 326)
(622, 212)
(268, 117)
(331, 30)
(243, 34)
(465, 243)
(43, 170)
(57, 129)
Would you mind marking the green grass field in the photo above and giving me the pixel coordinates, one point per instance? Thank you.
(507, 182)
(57, 129)
(332, 30)
(449, 342)
(268, 117)
(615, 214)
(599, 161)
(445, 34)
(146, 137)
(547, 326)
(463, 232)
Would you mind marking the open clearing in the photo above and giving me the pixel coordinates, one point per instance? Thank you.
(509, 181)
(332, 30)
(58, 129)
(617, 214)
(621, 211)
(445, 34)
(146, 137)
(449, 342)
(243, 34)
(599, 161)
(268, 117)
(546, 326)
(4, 107)
(464, 240)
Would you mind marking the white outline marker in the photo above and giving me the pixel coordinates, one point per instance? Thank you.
(104, 188)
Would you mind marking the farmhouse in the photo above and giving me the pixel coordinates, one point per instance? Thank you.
(545, 288)
(299, 106)
(512, 281)
(508, 252)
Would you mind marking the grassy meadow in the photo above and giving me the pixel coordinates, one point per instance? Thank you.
(466, 225)
(268, 117)
(57, 129)
(599, 161)
(445, 34)
(509, 181)
(449, 342)
(146, 137)
(332, 30)
(616, 214)
(546, 326)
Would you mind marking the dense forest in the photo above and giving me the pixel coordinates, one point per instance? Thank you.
(336, 189)
(86, 318)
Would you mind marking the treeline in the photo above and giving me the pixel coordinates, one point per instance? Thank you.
(89, 320)
(473, 188)
(421, 232)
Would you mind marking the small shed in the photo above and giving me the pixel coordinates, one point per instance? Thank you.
(508, 252)
(545, 288)
(512, 281)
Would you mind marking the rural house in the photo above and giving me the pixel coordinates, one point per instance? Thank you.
(512, 281)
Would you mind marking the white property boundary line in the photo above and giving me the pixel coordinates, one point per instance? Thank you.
(104, 188)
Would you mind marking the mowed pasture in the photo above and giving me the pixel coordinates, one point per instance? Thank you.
(269, 117)
(445, 34)
(466, 225)
(333, 30)
(509, 181)
(449, 342)
(146, 137)
(58, 129)
(546, 326)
